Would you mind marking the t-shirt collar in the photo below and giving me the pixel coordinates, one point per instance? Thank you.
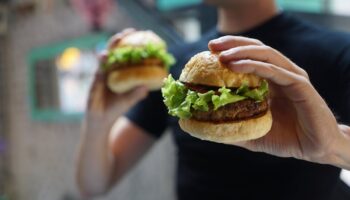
(262, 28)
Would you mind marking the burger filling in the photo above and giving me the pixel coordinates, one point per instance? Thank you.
(214, 104)
(240, 110)
(127, 56)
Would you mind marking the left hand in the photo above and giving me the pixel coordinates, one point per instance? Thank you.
(303, 125)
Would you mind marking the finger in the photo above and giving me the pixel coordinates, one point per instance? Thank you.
(264, 70)
(96, 95)
(100, 77)
(97, 87)
(296, 87)
(228, 42)
(102, 57)
(117, 37)
(263, 54)
(131, 97)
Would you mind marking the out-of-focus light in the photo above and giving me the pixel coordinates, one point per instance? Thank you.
(68, 59)
(340, 7)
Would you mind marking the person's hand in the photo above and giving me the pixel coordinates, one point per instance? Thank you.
(109, 143)
(303, 125)
(104, 105)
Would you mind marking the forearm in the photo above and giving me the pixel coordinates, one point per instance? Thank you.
(341, 155)
(94, 166)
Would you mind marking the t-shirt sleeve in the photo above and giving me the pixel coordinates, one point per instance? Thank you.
(150, 114)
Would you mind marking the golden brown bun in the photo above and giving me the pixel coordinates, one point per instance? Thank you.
(140, 38)
(148, 74)
(125, 79)
(228, 133)
(206, 69)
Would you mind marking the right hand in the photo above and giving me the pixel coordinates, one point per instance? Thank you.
(105, 105)
(304, 127)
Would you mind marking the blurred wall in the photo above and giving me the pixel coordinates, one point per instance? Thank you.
(4, 158)
(42, 153)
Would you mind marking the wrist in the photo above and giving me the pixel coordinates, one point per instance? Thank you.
(340, 155)
(97, 125)
(99, 119)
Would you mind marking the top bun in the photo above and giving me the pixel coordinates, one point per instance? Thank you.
(205, 68)
(140, 39)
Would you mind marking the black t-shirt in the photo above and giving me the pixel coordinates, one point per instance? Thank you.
(207, 170)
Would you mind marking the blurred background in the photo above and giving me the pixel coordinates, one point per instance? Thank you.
(47, 59)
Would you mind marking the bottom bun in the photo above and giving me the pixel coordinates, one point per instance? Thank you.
(125, 79)
(229, 132)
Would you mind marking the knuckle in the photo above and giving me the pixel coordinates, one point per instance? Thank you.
(304, 73)
(236, 49)
(226, 38)
(301, 83)
(272, 70)
(258, 42)
(303, 80)
(267, 49)
(271, 67)
(246, 62)
(230, 52)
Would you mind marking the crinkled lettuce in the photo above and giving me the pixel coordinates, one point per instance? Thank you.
(135, 55)
(180, 101)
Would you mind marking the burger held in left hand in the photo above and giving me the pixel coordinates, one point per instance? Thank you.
(216, 104)
(137, 58)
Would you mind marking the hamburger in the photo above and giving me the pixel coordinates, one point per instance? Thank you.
(216, 104)
(138, 58)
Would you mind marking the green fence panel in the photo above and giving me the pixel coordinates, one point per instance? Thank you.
(315, 6)
(165, 5)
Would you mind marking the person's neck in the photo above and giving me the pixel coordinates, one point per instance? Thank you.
(244, 18)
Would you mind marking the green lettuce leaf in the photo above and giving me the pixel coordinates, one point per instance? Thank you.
(135, 55)
(174, 94)
(226, 96)
(203, 100)
(259, 93)
(181, 101)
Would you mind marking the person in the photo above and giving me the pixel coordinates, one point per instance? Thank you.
(309, 71)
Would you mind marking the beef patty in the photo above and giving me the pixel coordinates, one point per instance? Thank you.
(241, 110)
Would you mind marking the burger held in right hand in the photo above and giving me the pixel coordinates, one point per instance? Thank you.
(217, 104)
(303, 125)
(226, 95)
